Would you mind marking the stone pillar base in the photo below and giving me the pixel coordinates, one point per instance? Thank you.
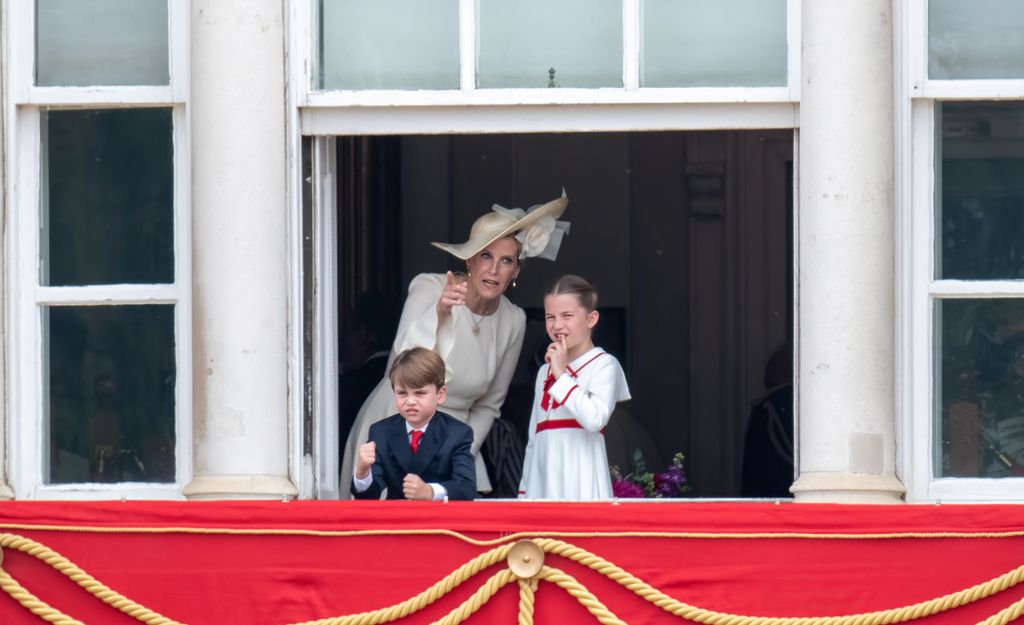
(848, 488)
(240, 487)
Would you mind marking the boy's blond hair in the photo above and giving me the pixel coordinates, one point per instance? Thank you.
(416, 368)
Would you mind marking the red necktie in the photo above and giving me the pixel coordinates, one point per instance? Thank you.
(414, 442)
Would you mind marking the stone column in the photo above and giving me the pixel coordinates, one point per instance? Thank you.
(846, 410)
(239, 251)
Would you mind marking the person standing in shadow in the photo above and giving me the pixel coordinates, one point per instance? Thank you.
(365, 348)
(768, 448)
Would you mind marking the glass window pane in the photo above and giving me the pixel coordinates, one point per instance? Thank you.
(389, 44)
(108, 197)
(101, 42)
(980, 194)
(521, 42)
(980, 388)
(976, 39)
(111, 377)
(714, 43)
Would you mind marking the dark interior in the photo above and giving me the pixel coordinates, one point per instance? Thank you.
(687, 235)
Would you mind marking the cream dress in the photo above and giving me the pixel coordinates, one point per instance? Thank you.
(571, 462)
(478, 367)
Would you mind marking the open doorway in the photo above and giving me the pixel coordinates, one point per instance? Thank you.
(687, 235)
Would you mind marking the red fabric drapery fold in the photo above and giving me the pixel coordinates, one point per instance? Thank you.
(264, 562)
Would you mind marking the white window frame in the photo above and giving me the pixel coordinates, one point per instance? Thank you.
(475, 110)
(916, 99)
(324, 114)
(25, 297)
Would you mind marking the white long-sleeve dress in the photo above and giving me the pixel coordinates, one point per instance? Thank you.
(566, 457)
(478, 367)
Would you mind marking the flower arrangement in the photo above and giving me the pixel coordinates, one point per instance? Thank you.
(641, 483)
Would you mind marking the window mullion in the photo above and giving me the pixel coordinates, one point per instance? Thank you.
(182, 209)
(325, 302)
(371, 120)
(966, 489)
(917, 48)
(969, 289)
(183, 390)
(24, 364)
(467, 45)
(304, 50)
(793, 49)
(21, 66)
(108, 294)
(100, 97)
(178, 43)
(94, 490)
(182, 195)
(396, 100)
(919, 317)
(982, 89)
(631, 53)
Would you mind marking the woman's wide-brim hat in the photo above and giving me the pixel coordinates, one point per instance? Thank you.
(538, 230)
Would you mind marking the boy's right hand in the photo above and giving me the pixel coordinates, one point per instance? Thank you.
(366, 455)
(454, 294)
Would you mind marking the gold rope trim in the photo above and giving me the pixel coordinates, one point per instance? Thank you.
(505, 537)
(75, 574)
(527, 587)
(710, 617)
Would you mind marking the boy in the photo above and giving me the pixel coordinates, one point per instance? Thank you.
(419, 453)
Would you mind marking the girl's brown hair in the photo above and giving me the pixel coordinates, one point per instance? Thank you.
(579, 286)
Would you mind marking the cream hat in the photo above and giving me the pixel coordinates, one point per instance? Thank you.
(538, 232)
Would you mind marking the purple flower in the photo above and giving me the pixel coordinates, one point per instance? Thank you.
(663, 486)
(641, 483)
(672, 482)
(624, 489)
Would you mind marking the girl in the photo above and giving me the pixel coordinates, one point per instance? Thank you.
(574, 398)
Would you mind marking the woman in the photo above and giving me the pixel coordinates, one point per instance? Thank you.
(470, 323)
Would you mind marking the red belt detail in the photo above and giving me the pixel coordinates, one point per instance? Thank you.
(560, 424)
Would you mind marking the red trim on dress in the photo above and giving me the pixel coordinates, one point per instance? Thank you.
(566, 398)
(576, 372)
(546, 400)
(560, 424)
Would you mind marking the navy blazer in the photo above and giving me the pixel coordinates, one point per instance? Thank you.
(444, 457)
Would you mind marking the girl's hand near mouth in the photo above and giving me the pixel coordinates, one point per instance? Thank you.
(557, 356)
